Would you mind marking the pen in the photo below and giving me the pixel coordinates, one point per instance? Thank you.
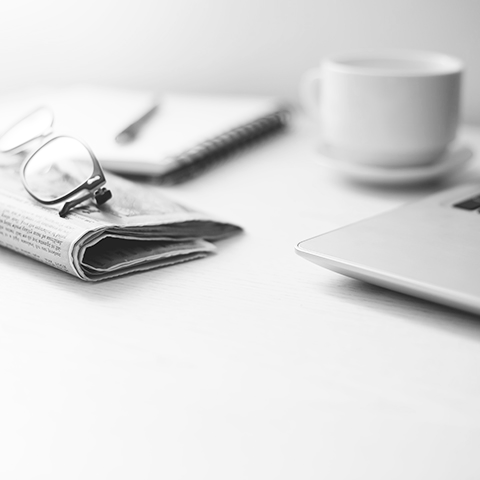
(130, 133)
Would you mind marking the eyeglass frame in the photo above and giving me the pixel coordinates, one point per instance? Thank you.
(94, 185)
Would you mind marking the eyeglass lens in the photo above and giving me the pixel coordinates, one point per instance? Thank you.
(29, 128)
(57, 168)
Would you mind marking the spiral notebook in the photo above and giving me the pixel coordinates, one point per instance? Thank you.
(186, 135)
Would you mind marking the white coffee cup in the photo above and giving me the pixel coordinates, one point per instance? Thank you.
(386, 108)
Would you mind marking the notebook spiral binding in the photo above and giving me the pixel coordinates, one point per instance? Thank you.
(214, 151)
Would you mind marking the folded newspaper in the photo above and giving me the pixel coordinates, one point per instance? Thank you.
(138, 229)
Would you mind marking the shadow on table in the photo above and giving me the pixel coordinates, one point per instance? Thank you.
(412, 308)
(104, 290)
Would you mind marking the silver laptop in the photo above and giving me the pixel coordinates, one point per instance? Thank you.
(429, 248)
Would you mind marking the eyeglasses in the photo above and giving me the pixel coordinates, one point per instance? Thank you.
(60, 168)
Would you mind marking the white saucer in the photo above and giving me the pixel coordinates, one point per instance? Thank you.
(453, 160)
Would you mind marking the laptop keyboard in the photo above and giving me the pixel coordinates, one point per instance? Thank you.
(470, 204)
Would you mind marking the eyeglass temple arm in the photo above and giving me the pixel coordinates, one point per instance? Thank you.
(101, 196)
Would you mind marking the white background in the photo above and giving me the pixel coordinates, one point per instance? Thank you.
(251, 46)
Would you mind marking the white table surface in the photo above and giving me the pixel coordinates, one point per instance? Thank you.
(250, 364)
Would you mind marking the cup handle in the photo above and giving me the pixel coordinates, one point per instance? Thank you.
(308, 95)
